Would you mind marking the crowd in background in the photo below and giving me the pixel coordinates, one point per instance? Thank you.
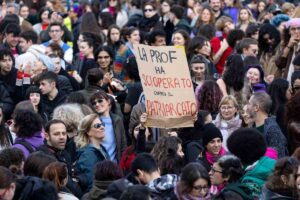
(73, 120)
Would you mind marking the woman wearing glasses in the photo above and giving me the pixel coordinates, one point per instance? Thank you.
(228, 119)
(194, 183)
(90, 151)
(225, 174)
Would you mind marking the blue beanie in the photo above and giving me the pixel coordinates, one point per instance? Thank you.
(278, 19)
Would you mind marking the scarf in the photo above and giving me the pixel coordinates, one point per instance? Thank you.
(211, 158)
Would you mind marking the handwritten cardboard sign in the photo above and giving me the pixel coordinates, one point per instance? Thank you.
(170, 99)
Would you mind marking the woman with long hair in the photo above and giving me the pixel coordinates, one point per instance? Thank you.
(206, 17)
(194, 183)
(90, 151)
(209, 97)
(57, 173)
(114, 7)
(181, 38)
(244, 19)
(114, 40)
(281, 183)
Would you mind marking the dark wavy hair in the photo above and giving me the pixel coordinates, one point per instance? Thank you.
(27, 123)
(195, 43)
(277, 90)
(231, 167)
(273, 33)
(107, 171)
(108, 50)
(191, 173)
(209, 96)
(292, 111)
(234, 73)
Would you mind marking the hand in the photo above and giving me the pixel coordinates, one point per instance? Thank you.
(293, 41)
(27, 68)
(224, 44)
(269, 78)
(77, 77)
(107, 78)
(143, 118)
(173, 133)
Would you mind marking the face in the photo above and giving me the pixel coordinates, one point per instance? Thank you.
(6, 64)
(298, 179)
(215, 5)
(206, 49)
(228, 2)
(114, 35)
(44, 17)
(12, 40)
(165, 7)
(215, 175)
(101, 106)
(214, 146)
(56, 33)
(85, 49)
(179, 151)
(35, 98)
(178, 39)
(270, 41)
(24, 12)
(8, 193)
(191, 3)
(255, 35)
(228, 110)
(46, 86)
(261, 6)
(134, 37)
(244, 15)
(103, 59)
(252, 109)
(112, 3)
(159, 41)
(295, 32)
(57, 64)
(253, 76)
(200, 188)
(97, 130)
(248, 119)
(57, 136)
(149, 11)
(198, 70)
(228, 27)
(252, 50)
(205, 16)
(296, 85)
(38, 68)
(24, 44)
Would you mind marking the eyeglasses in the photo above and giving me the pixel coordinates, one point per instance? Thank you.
(214, 171)
(103, 57)
(223, 108)
(148, 10)
(295, 29)
(199, 187)
(97, 101)
(98, 125)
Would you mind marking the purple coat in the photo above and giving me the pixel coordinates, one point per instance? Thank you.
(36, 140)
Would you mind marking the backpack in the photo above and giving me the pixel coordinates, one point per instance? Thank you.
(26, 144)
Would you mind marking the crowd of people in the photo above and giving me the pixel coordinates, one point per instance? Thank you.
(73, 120)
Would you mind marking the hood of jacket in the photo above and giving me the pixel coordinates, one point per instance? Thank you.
(163, 183)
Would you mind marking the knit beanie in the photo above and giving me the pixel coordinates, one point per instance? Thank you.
(210, 132)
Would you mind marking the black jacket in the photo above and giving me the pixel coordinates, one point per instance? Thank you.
(5, 100)
(49, 105)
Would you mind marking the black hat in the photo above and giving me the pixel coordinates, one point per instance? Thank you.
(210, 132)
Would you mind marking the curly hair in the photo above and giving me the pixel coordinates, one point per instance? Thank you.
(27, 123)
(209, 96)
(231, 167)
(248, 144)
(163, 145)
(273, 33)
(292, 111)
(285, 166)
(233, 66)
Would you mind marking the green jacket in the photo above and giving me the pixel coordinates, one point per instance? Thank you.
(256, 175)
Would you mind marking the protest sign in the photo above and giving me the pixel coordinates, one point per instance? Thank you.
(169, 95)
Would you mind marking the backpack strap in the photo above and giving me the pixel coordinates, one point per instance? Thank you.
(26, 144)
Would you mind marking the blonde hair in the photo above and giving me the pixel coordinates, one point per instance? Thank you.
(227, 99)
(297, 12)
(82, 139)
(287, 6)
(220, 23)
(251, 18)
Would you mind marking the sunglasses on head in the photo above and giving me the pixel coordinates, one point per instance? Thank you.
(97, 101)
